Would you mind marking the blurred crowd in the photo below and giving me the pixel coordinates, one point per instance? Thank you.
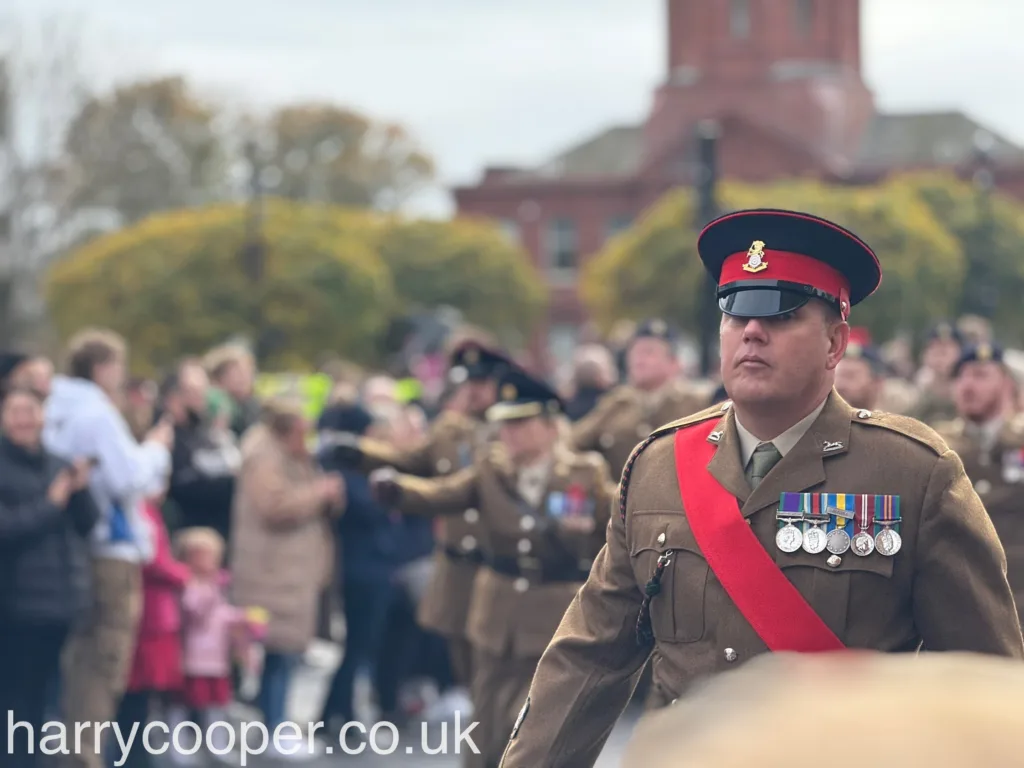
(170, 548)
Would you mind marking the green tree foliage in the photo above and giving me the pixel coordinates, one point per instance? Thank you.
(653, 269)
(467, 264)
(332, 154)
(990, 229)
(146, 147)
(175, 285)
(334, 280)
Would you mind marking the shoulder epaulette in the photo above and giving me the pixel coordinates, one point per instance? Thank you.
(903, 425)
(714, 412)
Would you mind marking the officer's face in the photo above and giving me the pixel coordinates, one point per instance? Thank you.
(857, 383)
(525, 439)
(980, 390)
(650, 362)
(781, 360)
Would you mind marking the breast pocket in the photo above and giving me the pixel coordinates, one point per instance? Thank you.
(677, 610)
(827, 588)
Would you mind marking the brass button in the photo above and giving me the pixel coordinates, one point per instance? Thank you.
(835, 561)
(443, 465)
(524, 546)
(527, 523)
(661, 538)
(607, 440)
(471, 516)
(520, 585)
(731, 655)
(983, 486)
(468, 543)
(864, 414)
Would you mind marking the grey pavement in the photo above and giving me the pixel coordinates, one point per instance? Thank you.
(308, 691)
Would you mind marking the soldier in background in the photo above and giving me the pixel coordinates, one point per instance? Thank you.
(956, 710)
(989, 438)
(543, 512)
(652, 396)
(934, 379)
(454, 438)
(860, 375)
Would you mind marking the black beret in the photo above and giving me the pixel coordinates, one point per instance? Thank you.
(473, 360)
(979, 353)
(655, 328)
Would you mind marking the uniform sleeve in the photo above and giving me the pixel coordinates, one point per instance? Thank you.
(415, 460)
(586, 432)
(587, 674)
(449, 495)
(962, 600)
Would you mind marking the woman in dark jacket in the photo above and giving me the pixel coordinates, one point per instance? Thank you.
(46, 513)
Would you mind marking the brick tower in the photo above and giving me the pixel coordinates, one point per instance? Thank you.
(779, 72)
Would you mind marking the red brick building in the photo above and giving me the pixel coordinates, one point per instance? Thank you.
(782, 79)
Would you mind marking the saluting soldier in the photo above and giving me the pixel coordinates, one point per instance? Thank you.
(989, 439)
(652, 396)
(785, 520)
(543, 512)
(934, 380)
(450, 445)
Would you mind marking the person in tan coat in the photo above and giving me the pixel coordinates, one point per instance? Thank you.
(784, 520)
(282, 551)
(543, 510)
(954, 710)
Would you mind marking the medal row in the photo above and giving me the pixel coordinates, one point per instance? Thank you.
(839, 523)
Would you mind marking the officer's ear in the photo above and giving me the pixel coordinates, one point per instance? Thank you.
(837, 332)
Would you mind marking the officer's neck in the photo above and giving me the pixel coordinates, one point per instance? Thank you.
(766, 421)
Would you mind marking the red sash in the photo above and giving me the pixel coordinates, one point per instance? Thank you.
(766, 598)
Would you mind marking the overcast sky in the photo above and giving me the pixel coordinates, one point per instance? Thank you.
(514, 81)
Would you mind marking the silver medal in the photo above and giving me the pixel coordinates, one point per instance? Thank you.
(789, 538)
(838, 541)
(814, 540)
(888, 542)
(863, 544)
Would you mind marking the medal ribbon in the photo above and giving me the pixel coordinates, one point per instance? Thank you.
(862, 503)
(887, 512)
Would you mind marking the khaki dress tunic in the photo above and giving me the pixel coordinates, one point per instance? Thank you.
(945, 590)
(449, 446)
(533, 569)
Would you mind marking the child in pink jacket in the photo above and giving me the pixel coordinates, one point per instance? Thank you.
(209, 630)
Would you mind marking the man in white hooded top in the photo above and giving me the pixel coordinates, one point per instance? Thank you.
(83, 421)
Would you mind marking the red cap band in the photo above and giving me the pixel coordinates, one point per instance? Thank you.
(788, 266)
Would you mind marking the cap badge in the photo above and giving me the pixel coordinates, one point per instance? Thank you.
(658, 327)
(984, 352)
(509, 392)
(755, 258)
(472, 356)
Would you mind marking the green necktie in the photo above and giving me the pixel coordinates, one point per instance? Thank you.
(766, 456)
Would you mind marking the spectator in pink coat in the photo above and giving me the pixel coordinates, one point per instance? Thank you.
(156, 673)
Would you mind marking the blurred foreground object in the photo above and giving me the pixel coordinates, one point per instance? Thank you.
(952, 710)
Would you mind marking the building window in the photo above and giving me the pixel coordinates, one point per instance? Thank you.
(804, 17)
(617, 224)
(562, 246)
(562, 340)
(739, 19)
(511, 230)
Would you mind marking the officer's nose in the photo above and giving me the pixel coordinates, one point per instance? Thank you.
(754, 330)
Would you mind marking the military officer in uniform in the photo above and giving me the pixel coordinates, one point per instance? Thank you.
(543, 512)
(989, 439)
(453, 439)
(786, 520)
(652, 396)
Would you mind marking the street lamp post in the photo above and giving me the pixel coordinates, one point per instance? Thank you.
(705, 184)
